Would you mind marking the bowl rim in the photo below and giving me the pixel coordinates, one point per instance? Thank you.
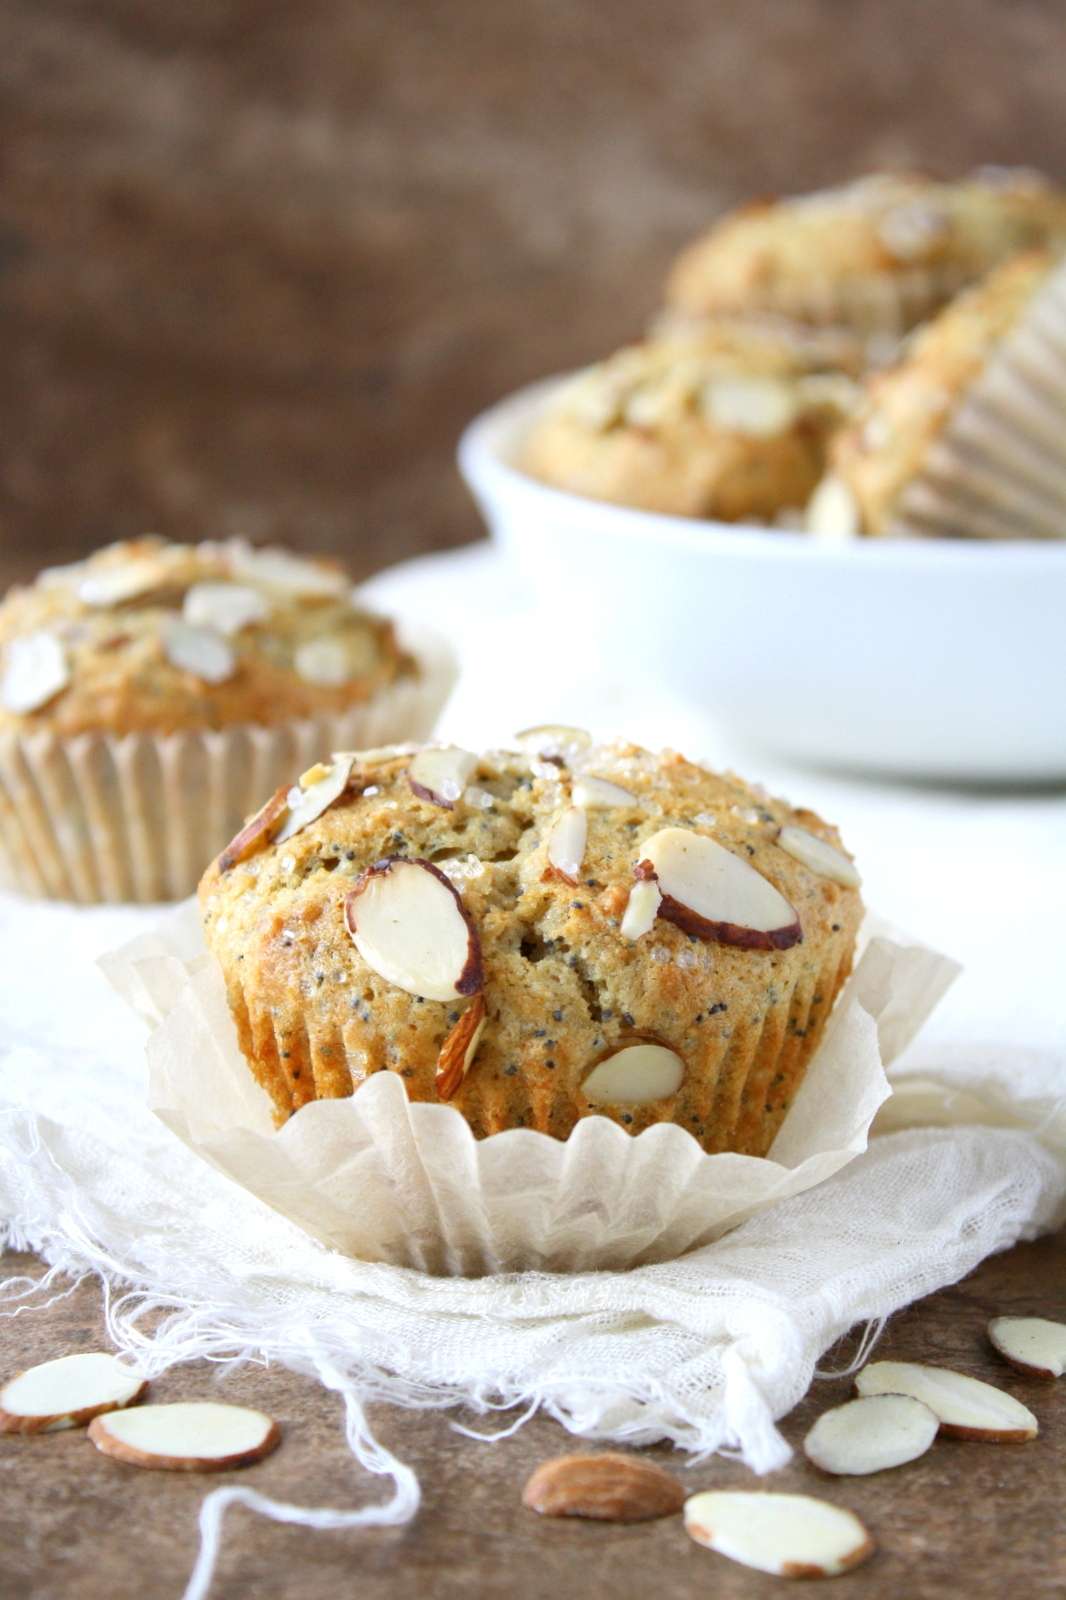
(484, 453)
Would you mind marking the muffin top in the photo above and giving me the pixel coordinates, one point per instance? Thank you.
(148, 636)
(729, 422)
(501, 930)
(907, 407)
(877, 254)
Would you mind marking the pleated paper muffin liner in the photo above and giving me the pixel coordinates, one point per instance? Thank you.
(998, 468)
(137, 818)
(383, 1179)
(740, 1099)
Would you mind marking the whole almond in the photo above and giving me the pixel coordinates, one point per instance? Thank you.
(612, 1487)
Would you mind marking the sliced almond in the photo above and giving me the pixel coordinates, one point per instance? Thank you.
(72, 572)
(379, 754)
(307, 804)
(909, 231)
(35, 671)
(555, 741)
(190, 1436)
(225, 607)
(201, 651)
(966, 1407)
(127, 580)
(1032, 1344)
(869, 1435)
(566, 843)
(325, 661)
(600, 794)
(642, 908)
(410, 926)
(823, 858)
(440, 774)
(67, 1393)
(459, 1048)
(757, 405)
(789, 1535)
(258, 832)
(635, 1075)
(288, 576)
(611, 1487)
(709, 891)
(833, 511)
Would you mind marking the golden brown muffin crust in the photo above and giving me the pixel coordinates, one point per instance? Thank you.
(881, 253)
(562, 986)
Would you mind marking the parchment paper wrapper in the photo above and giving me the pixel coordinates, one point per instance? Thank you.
(99, 818)
(998, 469)
(383, 1179)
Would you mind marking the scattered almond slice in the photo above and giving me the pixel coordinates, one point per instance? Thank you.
(966, 1407)
(379, 754)
(35, 670)
(755, 404)
(554, 741)
(635, 1075)
(225, 607)
(307, 804)
(869, 1435)
(823, 858)
(290, 577)
(642, 907)
(440, 774)
(789, 1535)
(410, 926)
(127, 580)
(1032, 1344)
(190, 1436)
(325, 661)
(566, 843)
(459, 1048)
(833, 511)
(612, 1486)
(201, 651)
(600, 794)
(67, 1393)
(709, 891)
(72, 572)
(256, 833)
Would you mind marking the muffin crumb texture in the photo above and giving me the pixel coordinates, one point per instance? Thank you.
(535, 937)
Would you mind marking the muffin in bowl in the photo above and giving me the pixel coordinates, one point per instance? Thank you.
(536, 937)
(731, 422)
(878, 255)
(149, 693)
(963, 437)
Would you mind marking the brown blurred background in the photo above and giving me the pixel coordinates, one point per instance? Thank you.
(261, 259)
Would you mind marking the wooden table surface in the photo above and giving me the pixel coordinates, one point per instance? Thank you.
(979, 1521)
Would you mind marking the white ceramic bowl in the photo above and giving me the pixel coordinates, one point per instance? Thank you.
(936, 659)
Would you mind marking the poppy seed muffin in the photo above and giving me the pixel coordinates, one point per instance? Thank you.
(963, 437)
(151, 692)
(536, 938)
(731, 423)
(878, 255)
